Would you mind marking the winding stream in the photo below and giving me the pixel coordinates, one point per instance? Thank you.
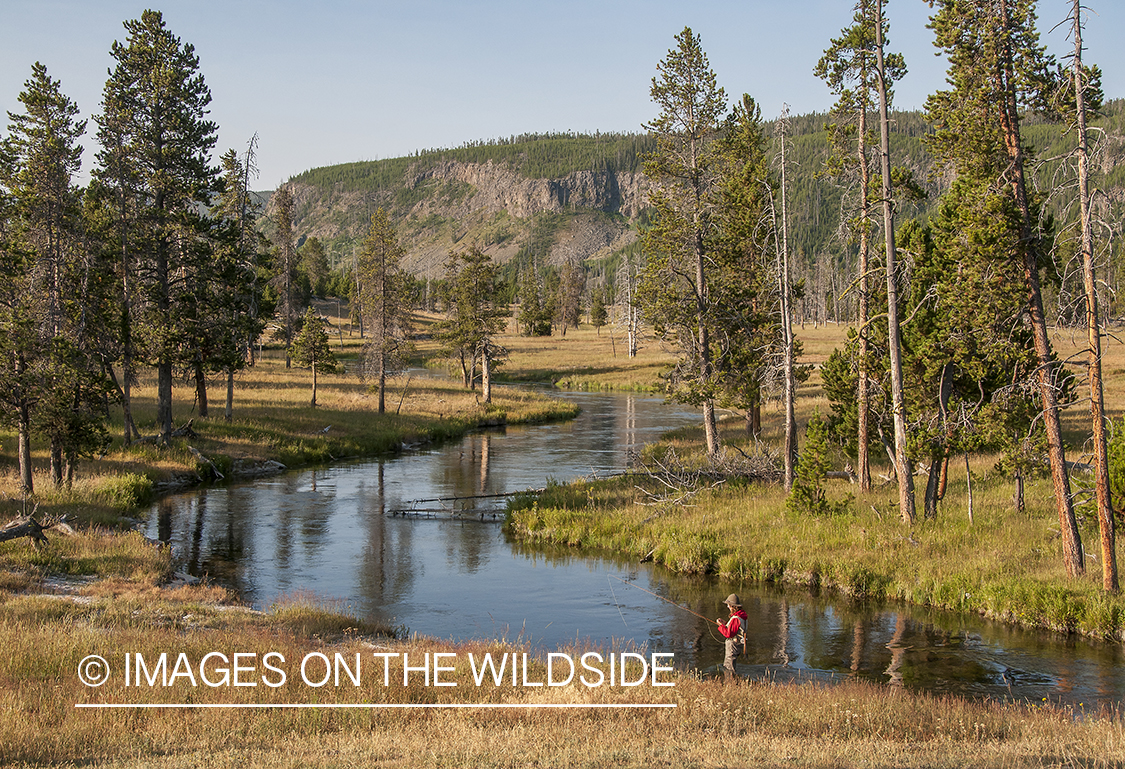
(336, 532)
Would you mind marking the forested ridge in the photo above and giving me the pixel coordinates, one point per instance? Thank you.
(416, 201)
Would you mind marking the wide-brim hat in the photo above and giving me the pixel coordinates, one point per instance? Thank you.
(733, 600)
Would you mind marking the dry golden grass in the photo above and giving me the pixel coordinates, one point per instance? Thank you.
(714, 724)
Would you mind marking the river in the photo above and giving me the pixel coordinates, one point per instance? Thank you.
(339, 533)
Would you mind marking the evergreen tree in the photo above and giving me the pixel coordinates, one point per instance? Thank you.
(54, 380)
(155, 161)
(533, 318)
(807, 497)
(475, 313)
(684, 169)
(997, 69)
(239, 253)
(746, 313)
(384, 296)
(598, 314)
(568, 296)
(849, 68)
(310, 348)
(313, 266)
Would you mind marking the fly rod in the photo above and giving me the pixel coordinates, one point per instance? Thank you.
(662, 598)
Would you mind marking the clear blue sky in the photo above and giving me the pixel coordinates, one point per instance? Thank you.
(345, 80)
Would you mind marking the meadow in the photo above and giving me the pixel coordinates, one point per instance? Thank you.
(107, 591)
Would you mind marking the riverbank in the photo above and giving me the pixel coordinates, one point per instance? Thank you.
(997, 563)
(273, 428)
(979, 556)
(768, 724)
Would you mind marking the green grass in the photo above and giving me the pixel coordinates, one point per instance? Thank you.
(1003, 565)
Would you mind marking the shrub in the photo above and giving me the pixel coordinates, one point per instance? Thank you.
(807, 496)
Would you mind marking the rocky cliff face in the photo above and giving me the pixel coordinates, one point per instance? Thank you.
(454, 205)
(497, 188)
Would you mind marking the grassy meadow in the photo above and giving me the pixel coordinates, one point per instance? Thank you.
(997, 562)
(107, 591)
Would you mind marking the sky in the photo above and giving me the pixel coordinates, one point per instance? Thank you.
(339, 81)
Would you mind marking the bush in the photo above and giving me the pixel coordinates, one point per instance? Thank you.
(807, 495)
(126, 491)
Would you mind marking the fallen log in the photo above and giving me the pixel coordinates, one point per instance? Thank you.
(204, 460)
(31, 528)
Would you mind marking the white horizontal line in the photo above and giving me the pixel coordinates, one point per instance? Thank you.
(372, 705)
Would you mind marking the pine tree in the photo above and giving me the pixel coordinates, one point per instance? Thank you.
(475, 313)
(568, 296)
(155, 161)
(684, 169)
(849, 68)
(598, 314)
(313, 266)
(239, 252)
(385, 300)
(54, 380)
(310, 348)
(997, 69)
(807, 497)
(534, 319)
(746, 308)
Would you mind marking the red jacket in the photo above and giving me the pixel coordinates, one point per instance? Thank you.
(734, 624)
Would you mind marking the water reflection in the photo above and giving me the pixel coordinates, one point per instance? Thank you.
(332, 531)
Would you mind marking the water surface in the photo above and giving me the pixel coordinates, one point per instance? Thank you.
(337, 532)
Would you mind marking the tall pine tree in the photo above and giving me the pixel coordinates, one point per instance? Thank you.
(684, 167)
(384, 295)
(997, 70)
(155, 161)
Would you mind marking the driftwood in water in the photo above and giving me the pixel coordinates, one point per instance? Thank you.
(464, 512)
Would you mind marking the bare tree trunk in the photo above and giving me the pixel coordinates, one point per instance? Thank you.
(201, 390)
(23, 442)
(787, 322)
(164, 399)
(56, 462)
(1094, 364)
(863, 408)
(930, 500)
(313, 402)
(229, 413)
(969, 485)
(486, 374)
(382, 381)
(1017, 496)
(710, 428)
(898, 405)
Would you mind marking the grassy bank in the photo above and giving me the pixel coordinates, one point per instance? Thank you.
(1002, 565)
(759, 724)
(272, 422)
(584, 359)
(997, 563)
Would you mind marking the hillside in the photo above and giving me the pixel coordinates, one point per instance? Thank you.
(565, 196)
